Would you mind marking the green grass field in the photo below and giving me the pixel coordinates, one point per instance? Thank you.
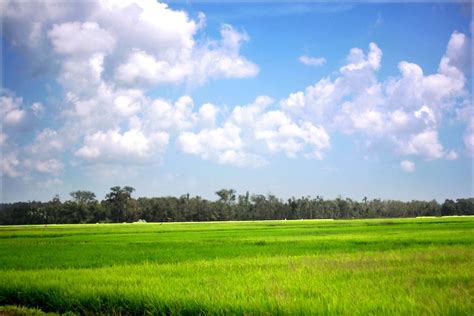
(350, 267)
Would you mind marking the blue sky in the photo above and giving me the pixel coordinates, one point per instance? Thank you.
(298, 99)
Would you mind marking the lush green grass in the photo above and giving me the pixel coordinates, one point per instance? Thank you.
(399, 266)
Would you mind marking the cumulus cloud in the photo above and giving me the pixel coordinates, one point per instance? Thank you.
(407, 166)
(425, 144)
(47, 142)
(143, 66)
(53, 166)
(223, 145)
(312, 61)
(279, 133)
(37, 108)
(177, 116)
(357, 60)
(10, 165)
(452, 155)
(11, 112)
(107, 56)
(457, 54)
(222, 59)
(469, 143)
(405, 111)
(208, 114)
(115, 146)
(16, 116)
(74, 38)
(251, 132)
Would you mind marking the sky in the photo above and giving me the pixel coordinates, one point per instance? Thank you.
(345, 99)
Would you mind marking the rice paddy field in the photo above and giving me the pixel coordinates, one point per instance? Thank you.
(420, 266)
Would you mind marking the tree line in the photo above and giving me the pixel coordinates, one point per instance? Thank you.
(119, 206)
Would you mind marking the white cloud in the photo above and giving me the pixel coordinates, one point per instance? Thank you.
(223, 145)
(279, 133)
(53, 166)
(245, 116)
(358, 61)
(452, 155)
(222, 59)
(195, 62)
(251, 131)
(37, 108)
(405, 111)
(469, 143)
(425, 144)
(82, 76)
(127, 105)
(74, 38)
(16, 117)
(177, 116)
(407, 166)
(207, 114)
(320, 101)
(312, 61)
(220, 139)
(47, 142)
(11, 113)
(9, 165)
(427, 115)
(106, 55)
(457, 54)
(125, 147)
(102, 51)
(141, 66)
(296, 101)
(315, 101)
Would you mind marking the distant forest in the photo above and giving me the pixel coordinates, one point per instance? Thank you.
(119, 206)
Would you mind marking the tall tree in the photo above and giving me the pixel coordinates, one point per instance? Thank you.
(118, 201)
(226, 196)
(83, 197)
(226, 199)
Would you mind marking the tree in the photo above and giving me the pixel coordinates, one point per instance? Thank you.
(86, 207)
(83, 197)
(119, 206)
(226, 196)
(118, 201)
(226, 199)
(293, 208)
(465, 206)
(243, 207)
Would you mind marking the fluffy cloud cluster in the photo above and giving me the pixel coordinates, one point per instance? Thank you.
(252, 130)
(405, 111)
(145, 41)
(223, 144)
(109, 54)
(15, 116)
(114, 146)
(18, 121)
